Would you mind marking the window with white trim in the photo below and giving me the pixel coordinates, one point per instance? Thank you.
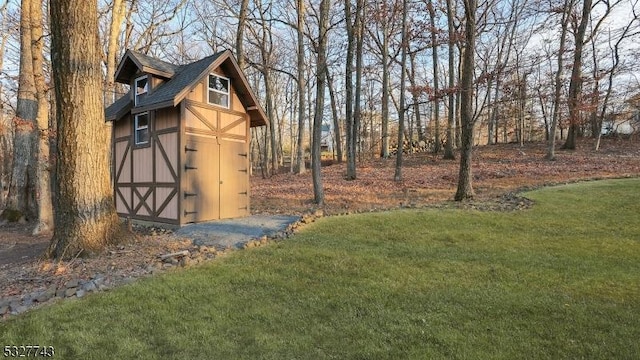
(141, 129)
(218, 90)
(141, 88)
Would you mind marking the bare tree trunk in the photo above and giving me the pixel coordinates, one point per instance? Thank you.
(385, 93)
(242, 21)
(41, 141)
(451, 120)
(437, 146)
(20, 200)
(117, 18)
(615, 53)
(300, 168)
(575, 84)
(465, 188)
(266, 51)
(401, 113)
(357, 108)
(351, 129)
(564, 23)
(321, 75)
(6, 128)
(416, 100)
(85, 216)
(336, 120)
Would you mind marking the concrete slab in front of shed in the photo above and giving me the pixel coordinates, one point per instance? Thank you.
(235, 232)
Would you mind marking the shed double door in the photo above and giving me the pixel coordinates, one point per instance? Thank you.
(215, 180)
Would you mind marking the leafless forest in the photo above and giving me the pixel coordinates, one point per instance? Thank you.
(346, 81)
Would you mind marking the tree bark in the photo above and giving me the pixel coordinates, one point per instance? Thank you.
(242, 21)
(21, 197)
(385, 92)
(351, 129)
(555, 116)
(575, 84)
(357, 106)
(437, 146)
(302, 84)
(117, 18)
(41, 140)
(451, 119)
(465, 188)
(401, 113)
(321, 75)
(85, 217)
(337, 131)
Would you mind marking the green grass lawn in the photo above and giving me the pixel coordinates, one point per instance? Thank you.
(558, 281)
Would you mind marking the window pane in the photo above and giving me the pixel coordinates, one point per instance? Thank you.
(142, 120)
(142, 136)
(142, 85)
(142, 128)
(219, 84)
(218, 98)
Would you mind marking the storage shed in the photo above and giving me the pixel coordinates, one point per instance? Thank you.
(181, 139)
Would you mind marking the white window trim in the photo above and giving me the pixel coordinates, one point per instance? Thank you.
(137, 128)
(228, 92)
(135, 88)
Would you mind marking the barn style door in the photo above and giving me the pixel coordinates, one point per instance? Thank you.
(216, 182)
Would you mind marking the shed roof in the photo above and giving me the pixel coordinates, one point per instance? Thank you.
(181, 80)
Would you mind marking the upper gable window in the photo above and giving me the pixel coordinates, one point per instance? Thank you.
(218, 90)
(141, 88)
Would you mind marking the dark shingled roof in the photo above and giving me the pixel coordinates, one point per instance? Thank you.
(180, 79)
(184, 76)
(118, 108)
(154, 63)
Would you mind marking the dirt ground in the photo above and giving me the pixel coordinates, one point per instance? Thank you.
(427, 180)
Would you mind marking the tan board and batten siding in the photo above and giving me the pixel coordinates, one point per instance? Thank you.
(146, 178)
(215, 180)
(195, 165)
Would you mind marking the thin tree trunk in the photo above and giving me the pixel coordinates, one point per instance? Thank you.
(351, 129)
(6, 128)
(465, 188)
(385, 93)
(41, 141)
(437, 146)
(451, 120)
(117, 18)
(85, 217)
(321, 75)
(300, 168)
(415, 96)
(564, 23)
(357, 107)
(242, 21)
(336, 119)
(401, 113)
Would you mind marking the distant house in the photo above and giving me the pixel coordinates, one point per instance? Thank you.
(181, 139)
(625, 122)
(326, 141)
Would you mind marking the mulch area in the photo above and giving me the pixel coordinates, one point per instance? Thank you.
(499, 172)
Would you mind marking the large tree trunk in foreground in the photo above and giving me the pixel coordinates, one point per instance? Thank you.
(85, 217)
(465, 189)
